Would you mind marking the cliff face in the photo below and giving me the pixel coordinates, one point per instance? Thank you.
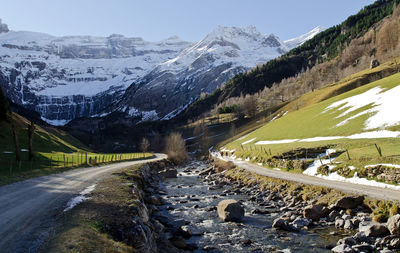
(64, 78)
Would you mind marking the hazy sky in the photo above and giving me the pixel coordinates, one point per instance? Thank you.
(191, 20)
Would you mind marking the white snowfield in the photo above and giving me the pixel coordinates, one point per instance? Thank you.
(365, 135)
(384, 102)
(85, 74)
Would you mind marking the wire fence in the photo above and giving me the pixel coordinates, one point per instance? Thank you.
(9, 165)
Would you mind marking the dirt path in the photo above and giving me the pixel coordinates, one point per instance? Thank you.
(28, 209)
(373, 192)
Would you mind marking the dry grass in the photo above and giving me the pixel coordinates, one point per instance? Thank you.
(176, 149)
(223, 166)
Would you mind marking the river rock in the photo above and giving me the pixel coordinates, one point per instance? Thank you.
(393, 224)
(348, 202)
(339, 223)
(282, 224)
(301, 222)
(186, 232)
(315, 212)
(206, 171)
(230, 210)
(348, 224)
(376, 230)
(364, 248)
(168, 173)
(332, 216)
(178, 242)
(343, 248)
(347, 240)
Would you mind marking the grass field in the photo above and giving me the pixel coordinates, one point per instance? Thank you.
(55, 151)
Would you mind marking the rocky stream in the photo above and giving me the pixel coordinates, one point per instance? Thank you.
(201, 210)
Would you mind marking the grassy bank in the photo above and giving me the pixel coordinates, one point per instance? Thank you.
(93, 225)
(381, 210)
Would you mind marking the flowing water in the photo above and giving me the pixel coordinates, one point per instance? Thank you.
(190, 199)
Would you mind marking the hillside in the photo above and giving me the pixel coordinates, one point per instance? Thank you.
(324, 47)
(46, 138)
(4, 107)
(351, 131)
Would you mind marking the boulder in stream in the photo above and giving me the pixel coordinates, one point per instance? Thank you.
(348, 202)
(393, 224)
(230, 210)
(315, 212)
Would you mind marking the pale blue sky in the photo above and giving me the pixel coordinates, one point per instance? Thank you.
(191, 20)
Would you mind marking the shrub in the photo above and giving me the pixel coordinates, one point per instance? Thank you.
(176, 149)
(222, 166)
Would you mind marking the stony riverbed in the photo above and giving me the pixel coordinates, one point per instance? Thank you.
(191, 201)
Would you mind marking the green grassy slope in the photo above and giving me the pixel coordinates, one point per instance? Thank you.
(46, 139)
(314, 121)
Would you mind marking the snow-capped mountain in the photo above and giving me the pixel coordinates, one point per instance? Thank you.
(292, 43)
(69, 77)
(202, 67)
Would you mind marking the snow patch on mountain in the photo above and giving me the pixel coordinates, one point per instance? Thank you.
(382, 101)
(295, 42)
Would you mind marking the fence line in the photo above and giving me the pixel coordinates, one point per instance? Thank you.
(63, 161)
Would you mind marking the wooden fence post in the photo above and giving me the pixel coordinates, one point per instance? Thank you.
(378, 149)
(348, 155)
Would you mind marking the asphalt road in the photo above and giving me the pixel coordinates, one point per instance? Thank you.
(29, 209)
(370, 191)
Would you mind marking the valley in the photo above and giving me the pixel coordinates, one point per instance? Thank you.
(235, 141)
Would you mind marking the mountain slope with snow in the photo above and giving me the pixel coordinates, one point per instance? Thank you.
(295, 42)
(64, 78)
(202, 67)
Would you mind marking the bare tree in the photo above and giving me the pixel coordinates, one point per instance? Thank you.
(175, 148)
(250, 105)
(31, 132)
(144, 145)
(388, 37)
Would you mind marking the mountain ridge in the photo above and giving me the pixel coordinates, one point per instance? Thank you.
(81, 76)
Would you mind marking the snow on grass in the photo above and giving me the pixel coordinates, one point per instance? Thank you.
(241, 138)
(375, 135)
(78, 199)
(366, 135)
(249, 141)
(276, 142)
(322, 138)
(357, 180)
(384, 164)
(279, 115)
(313, 168)
(382, 112)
